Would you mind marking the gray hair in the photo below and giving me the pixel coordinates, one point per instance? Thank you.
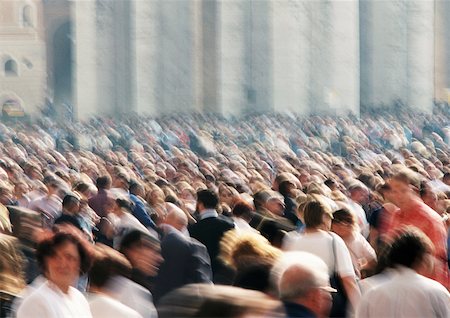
(297, 273)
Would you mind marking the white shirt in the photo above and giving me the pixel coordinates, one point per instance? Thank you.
(48, 301)
(321, 244)
(408, 295)
(134, 296)
(104, 306)
(360, 215)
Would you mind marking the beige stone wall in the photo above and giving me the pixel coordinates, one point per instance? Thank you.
(23, 43)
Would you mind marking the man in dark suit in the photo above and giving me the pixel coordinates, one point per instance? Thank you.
(186, 260)
(209, 230)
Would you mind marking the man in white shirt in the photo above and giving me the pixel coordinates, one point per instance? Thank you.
(408, 293)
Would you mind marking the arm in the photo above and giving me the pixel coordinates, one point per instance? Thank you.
(352, 290)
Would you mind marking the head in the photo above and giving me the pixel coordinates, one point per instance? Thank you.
(303, 278)
(175, 217)
(206, 199)
(62, 258)
(71, 203)
(103, 182)
(317, 215)
(413, 249)
(274, 202)
(359, 192)
(107, 264)
(404, 187)
(243, 210)
(137, 188)
(142, 251)
(343, 223)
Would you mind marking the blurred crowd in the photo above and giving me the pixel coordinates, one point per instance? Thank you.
(205, 216)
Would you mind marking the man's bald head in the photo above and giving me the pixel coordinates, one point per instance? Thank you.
(175, 216)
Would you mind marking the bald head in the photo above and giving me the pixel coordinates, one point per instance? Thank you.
(175, 217)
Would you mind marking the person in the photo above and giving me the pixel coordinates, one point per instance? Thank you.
(242, 214)
(107, 265)
(71, 214)
(408, 293)
(210, 229)
(50, 204)
(12, 278)
(144, 254)
(138, 210)
(102, 199)
(317, 239)
(302, 283)
(267, 218)
(414, 212)
(359, 195)
(363, 255)
(202, 300)
(62, 257)
(186, 260)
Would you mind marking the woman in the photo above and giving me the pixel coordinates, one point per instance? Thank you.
(63, 258)
(363, 255)
(318, 240)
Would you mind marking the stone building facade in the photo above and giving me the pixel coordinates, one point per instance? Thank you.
(228, 56)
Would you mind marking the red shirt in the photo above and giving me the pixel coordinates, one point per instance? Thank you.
(429, 222)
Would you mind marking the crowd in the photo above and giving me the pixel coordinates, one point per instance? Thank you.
(206, 216)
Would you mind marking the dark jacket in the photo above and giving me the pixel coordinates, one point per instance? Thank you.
(210, 231)
(186, 261)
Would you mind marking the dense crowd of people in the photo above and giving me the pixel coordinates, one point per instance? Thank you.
(198, 215)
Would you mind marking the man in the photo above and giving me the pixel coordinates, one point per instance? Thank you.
(210, 229)
(50, 204)
(107, 266)
(359, 195)
(102, 199)
(186, 261)
(71, 215)
(144, 254)
(268, 219)
(407, 293)
(414, 212)
(139, 210)
(302, 282)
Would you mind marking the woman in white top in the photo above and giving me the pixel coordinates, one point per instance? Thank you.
(63, 258)
(317, 239)
(363, 255)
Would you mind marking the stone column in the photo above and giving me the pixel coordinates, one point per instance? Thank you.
(291, 55)
(84, 64)
(343, 95)
(420, 55)
(144, 39)
(231, 57)
(384, 52)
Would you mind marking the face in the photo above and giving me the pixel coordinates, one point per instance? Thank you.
(63, 267)
(145, 259)
(400, 193)
(275, 206)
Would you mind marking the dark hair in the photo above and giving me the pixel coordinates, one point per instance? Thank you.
(134, 185)
(242, 209)
(47, 248)
(81, 187)
(283, 187)
(409, 248)
(136, 238)
(107, 264)
(313, 214)
(103, 182)
(256, 276)
(125, 203)
(208, 198)
(343, 216)
(69, 200)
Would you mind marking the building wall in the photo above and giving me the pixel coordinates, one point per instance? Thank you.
(231, 56)
(22, 41)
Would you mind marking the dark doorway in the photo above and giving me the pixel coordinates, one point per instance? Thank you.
(62, 69)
